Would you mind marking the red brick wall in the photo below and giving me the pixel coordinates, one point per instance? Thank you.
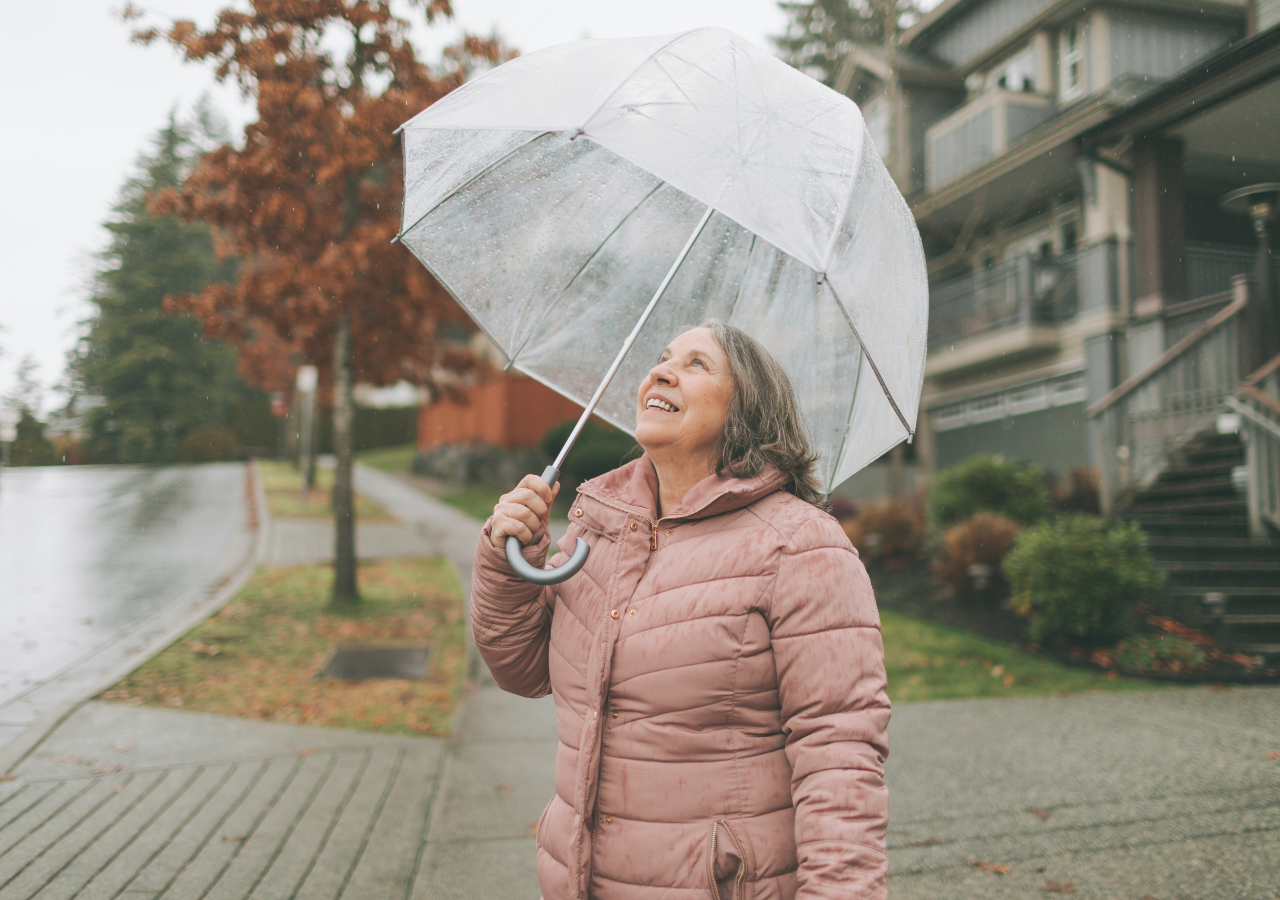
(509, 411)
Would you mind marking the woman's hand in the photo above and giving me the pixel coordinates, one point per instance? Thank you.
(525, 512)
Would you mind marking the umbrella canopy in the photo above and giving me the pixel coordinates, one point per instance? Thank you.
(553, 195)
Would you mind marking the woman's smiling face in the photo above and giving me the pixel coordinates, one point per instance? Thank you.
(684, 400)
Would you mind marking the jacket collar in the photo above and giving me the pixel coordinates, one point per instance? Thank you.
(635, 487)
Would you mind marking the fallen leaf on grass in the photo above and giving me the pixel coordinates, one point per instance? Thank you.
(1008, 680)
(206, 649)
(1274, 754)
(1039, 813)
(1059, 887)
(984, 866)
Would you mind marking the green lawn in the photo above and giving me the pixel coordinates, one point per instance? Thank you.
(260, 656)
(390, 459)
(283, 486)
(927, 661)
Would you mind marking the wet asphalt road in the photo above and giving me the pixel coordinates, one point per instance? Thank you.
(87, 552)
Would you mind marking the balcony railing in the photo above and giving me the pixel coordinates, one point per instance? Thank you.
(1025, 291)
(1210, 267)
(980, 130)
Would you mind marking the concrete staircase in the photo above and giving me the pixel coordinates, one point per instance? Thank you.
(1219, 579)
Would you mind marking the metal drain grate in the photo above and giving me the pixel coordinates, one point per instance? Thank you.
(356, 662)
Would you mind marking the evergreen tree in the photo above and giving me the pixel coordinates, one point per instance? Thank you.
(31, 448)
(159, 376)
(820, 34)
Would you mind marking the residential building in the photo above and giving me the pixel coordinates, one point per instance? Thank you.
(1060, 266)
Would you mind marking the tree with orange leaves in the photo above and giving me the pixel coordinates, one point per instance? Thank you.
(309, 204)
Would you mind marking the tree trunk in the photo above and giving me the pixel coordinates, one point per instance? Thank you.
(345, 589)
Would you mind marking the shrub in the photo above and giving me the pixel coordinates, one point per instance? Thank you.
(968, 562)
(209, 443)
(891, 531)
(598, 449)
(1159, 654)
(478, 463)
(1078, 577)
(991, 483)
(843, 508)
(1078, 492)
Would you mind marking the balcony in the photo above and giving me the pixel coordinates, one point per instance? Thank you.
(980, 131)
(1024, 291)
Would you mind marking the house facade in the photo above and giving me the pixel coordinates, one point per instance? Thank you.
(1062, 258)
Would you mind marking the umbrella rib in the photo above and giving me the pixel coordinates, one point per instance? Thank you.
(679, 37)
(874, 368)
(631, 338)
(568, 284)
(466, 184)
(844, 211)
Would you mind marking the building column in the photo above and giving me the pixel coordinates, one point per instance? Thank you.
(1101, 376)
(1159, 232)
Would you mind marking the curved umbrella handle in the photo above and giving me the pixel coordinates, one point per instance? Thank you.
(533, 574)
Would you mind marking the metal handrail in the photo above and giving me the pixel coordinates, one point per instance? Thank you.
(1131, 384)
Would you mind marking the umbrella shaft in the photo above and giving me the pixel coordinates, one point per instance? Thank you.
(631, 339)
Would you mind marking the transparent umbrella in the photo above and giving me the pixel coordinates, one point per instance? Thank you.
(585, 202)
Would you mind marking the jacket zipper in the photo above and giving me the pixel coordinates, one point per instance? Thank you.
(711, 862)
(653, 526)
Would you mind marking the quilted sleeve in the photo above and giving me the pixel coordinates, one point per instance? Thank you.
(511, 618)
(835, 712)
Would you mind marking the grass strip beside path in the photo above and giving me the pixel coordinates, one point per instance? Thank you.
(928, 661)
(390, 459)
(475, 500)
(260, 656)
(283, 485)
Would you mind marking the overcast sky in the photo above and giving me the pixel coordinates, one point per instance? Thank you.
(84, 101)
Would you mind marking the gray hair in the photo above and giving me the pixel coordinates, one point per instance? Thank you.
(764, 426)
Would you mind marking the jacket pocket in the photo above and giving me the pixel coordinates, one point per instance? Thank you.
(726, 863)
(537, 832)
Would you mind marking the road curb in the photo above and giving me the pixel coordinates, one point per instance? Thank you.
(13, 753)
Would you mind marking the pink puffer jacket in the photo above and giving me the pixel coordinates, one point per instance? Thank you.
(720, 694)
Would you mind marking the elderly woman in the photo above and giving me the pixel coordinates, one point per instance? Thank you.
(717, 666)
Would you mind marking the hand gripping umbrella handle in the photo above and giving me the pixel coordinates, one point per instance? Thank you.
(533, 574)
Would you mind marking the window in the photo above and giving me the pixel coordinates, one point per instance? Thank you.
(1071, 52)
(1018, 73)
